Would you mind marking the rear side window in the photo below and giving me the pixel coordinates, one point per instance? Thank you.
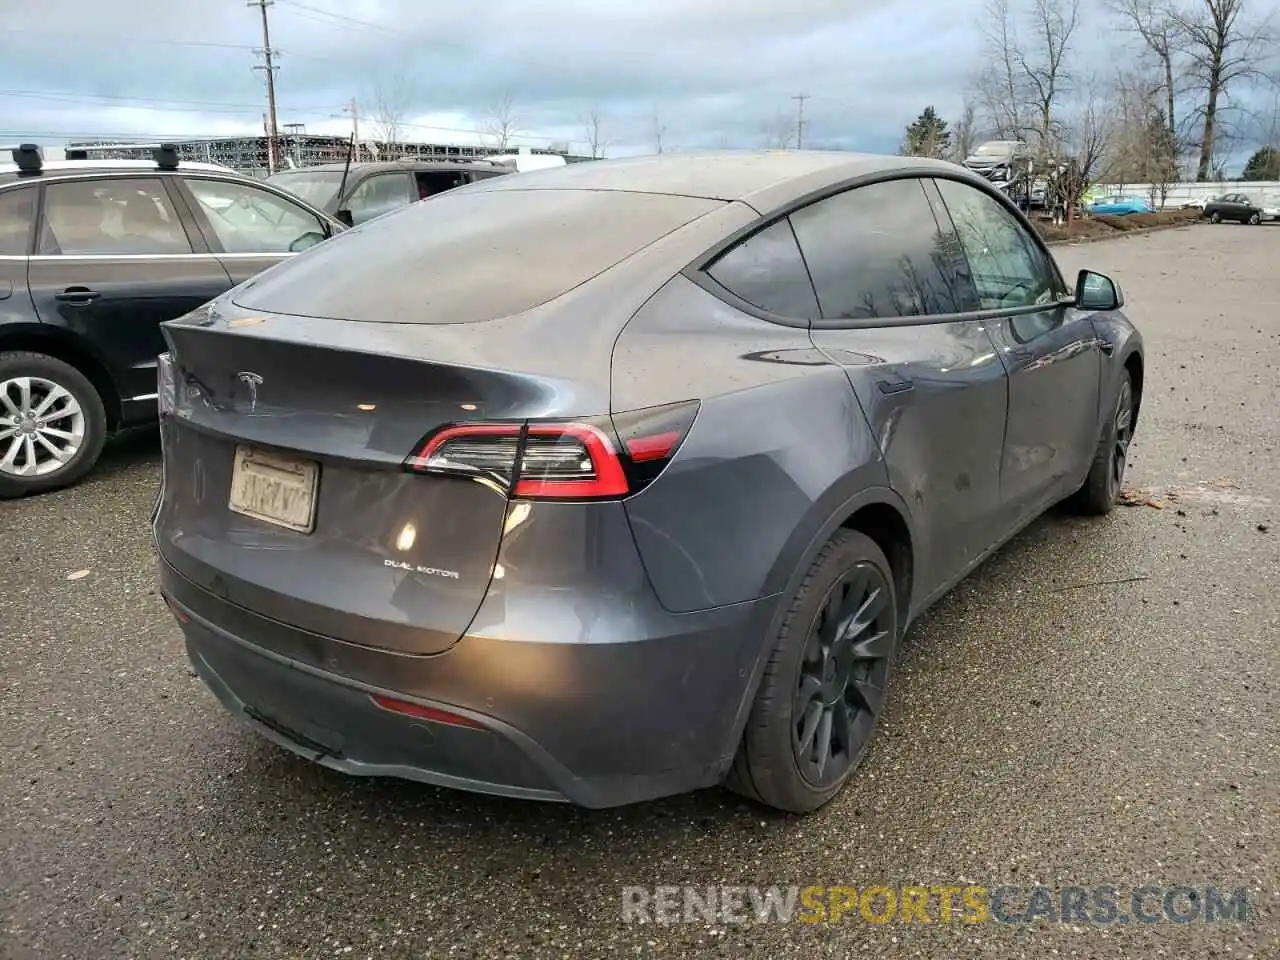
(470, 256)
(131, 215)
(876, 251)
(766, 270)
(17, 207)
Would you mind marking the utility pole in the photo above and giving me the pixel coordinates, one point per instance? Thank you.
(269, 68)
(800, 99)
(354, 110)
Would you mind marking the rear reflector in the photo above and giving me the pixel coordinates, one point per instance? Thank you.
(420, 712)
(593, 459)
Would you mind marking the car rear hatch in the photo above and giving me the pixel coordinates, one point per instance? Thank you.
(287, 434)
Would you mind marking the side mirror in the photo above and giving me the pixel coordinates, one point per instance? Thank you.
(1094, 291)
(345, 217)
(306, 242)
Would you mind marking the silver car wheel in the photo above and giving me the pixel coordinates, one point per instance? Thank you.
(42, 427)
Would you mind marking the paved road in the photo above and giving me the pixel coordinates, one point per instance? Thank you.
(1046, 728)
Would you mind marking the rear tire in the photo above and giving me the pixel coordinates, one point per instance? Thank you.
(1101, 489)
(825, 680)
(1254, 219)
(1215, 217)
(52, 424)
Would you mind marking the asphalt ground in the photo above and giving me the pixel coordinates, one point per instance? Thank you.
(1096, 705)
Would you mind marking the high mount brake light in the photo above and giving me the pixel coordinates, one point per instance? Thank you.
(590, 459)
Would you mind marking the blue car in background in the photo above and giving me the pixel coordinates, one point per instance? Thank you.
(1119, 206)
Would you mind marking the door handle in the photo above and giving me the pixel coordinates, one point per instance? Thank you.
(1022, 353)
(1106, 346)
(77, 295)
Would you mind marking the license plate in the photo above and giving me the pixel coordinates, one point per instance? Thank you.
(275, 489)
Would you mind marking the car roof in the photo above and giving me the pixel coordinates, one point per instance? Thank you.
(10, 171)
(764, 179)
(407, 163)
(77, 165)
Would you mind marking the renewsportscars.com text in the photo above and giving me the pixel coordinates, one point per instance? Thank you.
(1101, 904)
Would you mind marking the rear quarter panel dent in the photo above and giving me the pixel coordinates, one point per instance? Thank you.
(778, 430)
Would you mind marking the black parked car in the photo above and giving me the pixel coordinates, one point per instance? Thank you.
(94, 255)
(358, 192)
(1243, 208)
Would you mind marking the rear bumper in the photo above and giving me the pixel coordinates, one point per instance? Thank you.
(596, 725)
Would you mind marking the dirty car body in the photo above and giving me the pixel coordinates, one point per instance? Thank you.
(608, 482)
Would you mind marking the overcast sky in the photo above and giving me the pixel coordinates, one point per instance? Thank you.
(714, 72)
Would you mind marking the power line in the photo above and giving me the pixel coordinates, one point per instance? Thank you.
(155, 41)
(147, 103)
(124, 39)
(302, 9)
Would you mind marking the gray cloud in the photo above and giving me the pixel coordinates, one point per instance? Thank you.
(716, 72)
(713, 71)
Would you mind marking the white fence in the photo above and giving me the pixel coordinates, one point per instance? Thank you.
(1180, 193)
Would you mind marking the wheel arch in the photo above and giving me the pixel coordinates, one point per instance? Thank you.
(875, 511)
(1133, 365)
(56, 343)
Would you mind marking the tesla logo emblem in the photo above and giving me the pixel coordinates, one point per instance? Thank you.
(251, 380)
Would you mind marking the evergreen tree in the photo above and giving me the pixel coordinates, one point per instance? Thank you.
(1263, 165)
(928, 136)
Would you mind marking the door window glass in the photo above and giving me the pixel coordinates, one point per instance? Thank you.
(876, 251)
(248, 219)
(767, 270)
(1009, 269)
(17, 207)
(131, 215)
(379, 194)
(431, 182)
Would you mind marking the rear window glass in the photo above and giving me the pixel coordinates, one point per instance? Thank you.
(467, 256)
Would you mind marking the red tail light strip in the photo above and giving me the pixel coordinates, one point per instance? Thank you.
(596, 458)
(657, 447)
(610, 480)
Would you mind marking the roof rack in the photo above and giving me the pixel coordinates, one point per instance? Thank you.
(27, 158)
(166, 156)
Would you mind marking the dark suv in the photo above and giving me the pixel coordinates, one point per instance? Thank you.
(94, 255)
(358, 192)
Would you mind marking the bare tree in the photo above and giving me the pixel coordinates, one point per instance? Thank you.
(999, 86)
(504, 122)
(596, 142)
(657, 130)
(1142, 149)
(391, 99)
(964, 137)
(1025, 79)
(1084, 137)
(1045, 62)
(1221, 46)
(1153, 22)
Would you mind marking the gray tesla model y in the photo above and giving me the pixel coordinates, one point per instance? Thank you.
(624, 478)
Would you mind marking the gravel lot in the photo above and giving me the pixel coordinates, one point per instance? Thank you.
(1045, 727)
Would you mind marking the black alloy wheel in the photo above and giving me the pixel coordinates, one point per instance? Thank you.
(842, 677)
(1122, 436)
(824, 683)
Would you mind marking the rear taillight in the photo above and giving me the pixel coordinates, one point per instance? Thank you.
(590, 459)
